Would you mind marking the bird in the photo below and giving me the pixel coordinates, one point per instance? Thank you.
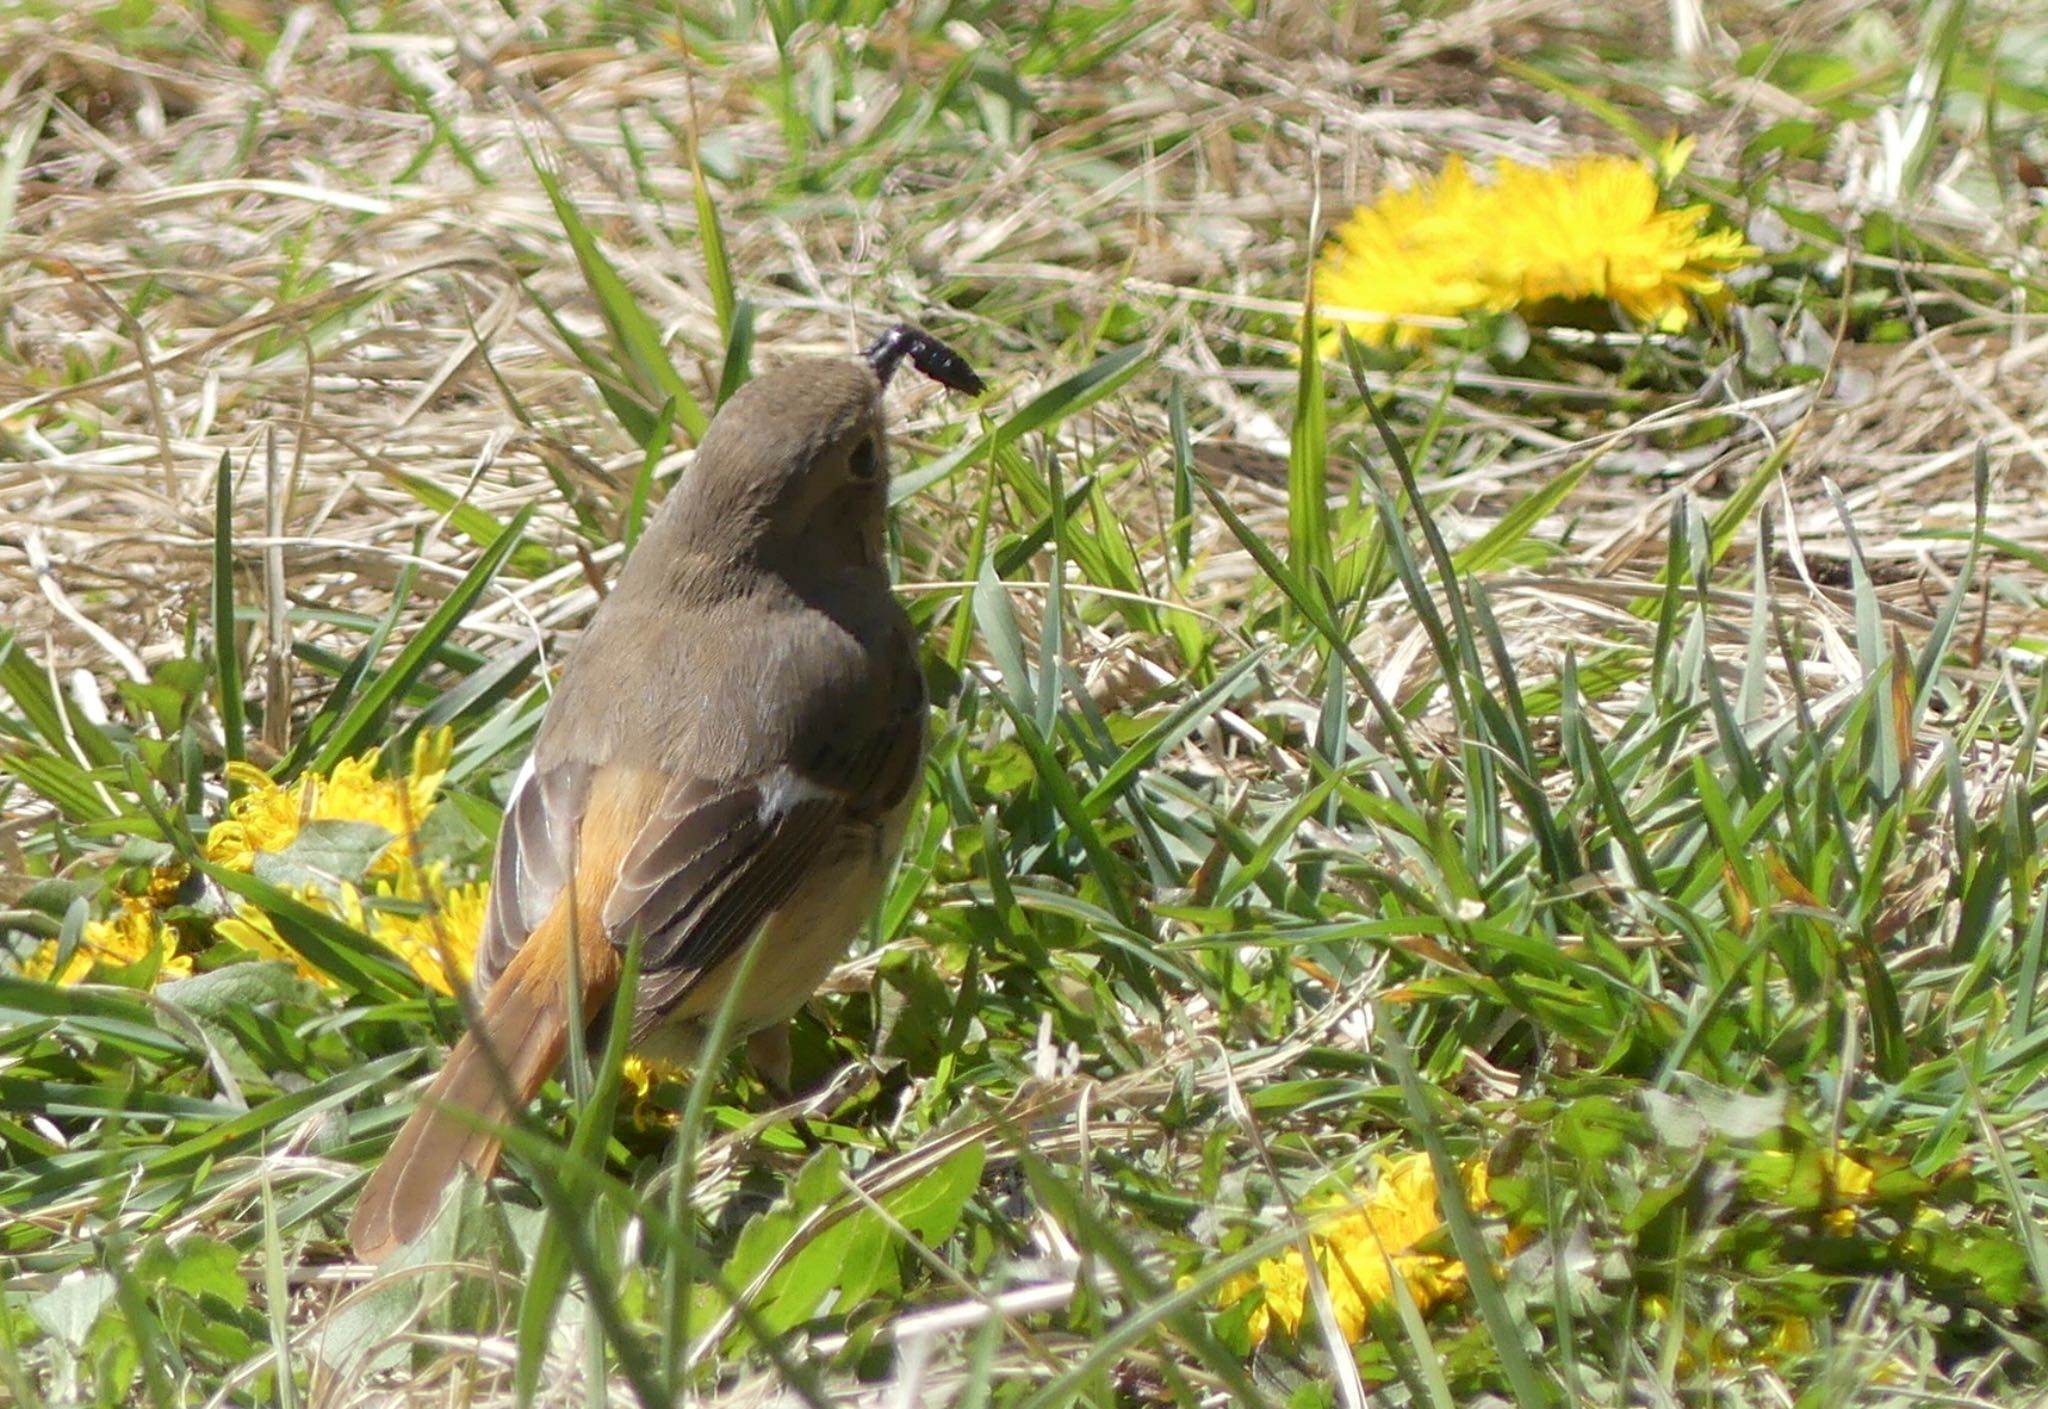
(731, 755)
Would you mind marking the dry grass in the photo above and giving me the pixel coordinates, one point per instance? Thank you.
(209, 253)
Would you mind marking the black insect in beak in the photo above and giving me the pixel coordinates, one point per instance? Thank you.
(926, 353)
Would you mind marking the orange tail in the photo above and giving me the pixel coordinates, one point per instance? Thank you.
(493, 1072)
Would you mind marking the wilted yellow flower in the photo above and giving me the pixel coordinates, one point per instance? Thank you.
(639, 1076)
(1833, 1184)
(1793, 1336)
(1586, 229)
(127, 937)
(1360, 1245)
(165, 882)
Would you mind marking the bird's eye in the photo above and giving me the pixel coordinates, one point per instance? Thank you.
(864, 463)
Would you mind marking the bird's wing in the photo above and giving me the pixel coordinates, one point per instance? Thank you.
(699, 866)
(698, 862)
(536, 848)
(712, 862)
(716, 860)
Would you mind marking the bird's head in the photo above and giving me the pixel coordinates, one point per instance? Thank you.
(794, 469)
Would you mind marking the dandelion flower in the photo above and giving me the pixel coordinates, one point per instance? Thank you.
(1589, 229)
(1853, 1184)
(256, 932)
(1408, 258)
(1793, 1335)
(1832, 1184)
(265, 817)
(269, 817)
(1360, 1246)
(640, 1076)
(432, 926)
(126, 938)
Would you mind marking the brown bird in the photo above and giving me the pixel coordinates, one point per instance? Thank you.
(732, 751)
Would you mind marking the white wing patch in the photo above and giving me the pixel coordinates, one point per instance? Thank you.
(785, 788)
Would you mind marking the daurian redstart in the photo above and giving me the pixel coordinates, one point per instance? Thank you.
(732, 752)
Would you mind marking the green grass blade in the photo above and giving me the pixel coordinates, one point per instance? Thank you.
(1926, 667)
(652, 449)
(1141, 752)
(343, 696)
(1309, 549)
(28, 686)
(1495, 547)
(739, 352)
(1183, 533)
(477, 525)
(366, 712)
(1313, 609)
(547, 1277)
(1050, 407)
(726, 304)
(227, 658)
(1058, 783)
(635, 337)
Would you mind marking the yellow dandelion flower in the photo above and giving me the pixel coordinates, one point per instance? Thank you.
(640, 1076)
(437, 942)
(354, 793)
(269, 817)
(129, 936)
(1591, 229)
(1831, 1185)
(1359, 1251)
(256, 932)
(1853, 1180)
(432, 926)
(42, 964)
(1793, 1336)
(265, 817)
(455, 930)
(165, 882)
(1409, 257)
(1852, 1184)
(1283, 1284)
(1585, 229)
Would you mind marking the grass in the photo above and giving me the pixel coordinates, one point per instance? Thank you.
(1599, 762)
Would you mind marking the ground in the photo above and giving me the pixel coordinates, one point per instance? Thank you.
(1498, 864)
